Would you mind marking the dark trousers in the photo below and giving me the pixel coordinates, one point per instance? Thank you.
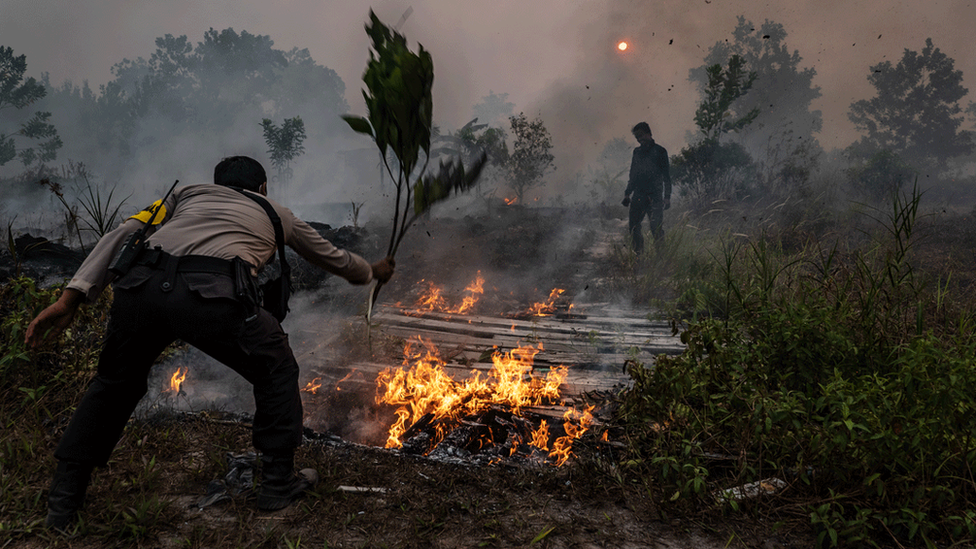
(642, 205)
(145, 319)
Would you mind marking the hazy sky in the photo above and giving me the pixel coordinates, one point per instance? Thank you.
(555, 58)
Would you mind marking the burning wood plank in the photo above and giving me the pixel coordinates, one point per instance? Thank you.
(477, 413)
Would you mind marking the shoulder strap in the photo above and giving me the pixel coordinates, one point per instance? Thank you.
(279, 232)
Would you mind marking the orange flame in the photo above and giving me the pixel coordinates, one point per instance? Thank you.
(540, 437)
(313, 386)
(177, 379)
(346, 378)
(421, 389)
(562, 446)
(475, 289)
(549, 306)
(433, 301)
(510, 201)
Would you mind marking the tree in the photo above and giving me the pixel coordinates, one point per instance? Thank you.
(198, 91)
(531, 156)
(17, 93)
(284, 144)
(471, 140)
(782, 91)
(710, 169)
(916, 112)
(493, 107)
(718, 112)
(782, 136)
(881, 176)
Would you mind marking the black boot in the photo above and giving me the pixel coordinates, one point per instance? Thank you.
(67, 494)
(280, 486)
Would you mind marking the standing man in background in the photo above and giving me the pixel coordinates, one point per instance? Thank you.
(650, 183)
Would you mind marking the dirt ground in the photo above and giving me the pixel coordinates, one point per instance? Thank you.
(373, 497)
(370, 497)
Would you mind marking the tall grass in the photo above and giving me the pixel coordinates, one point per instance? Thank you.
(834, 370)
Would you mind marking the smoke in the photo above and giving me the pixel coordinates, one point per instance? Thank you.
(556, 59)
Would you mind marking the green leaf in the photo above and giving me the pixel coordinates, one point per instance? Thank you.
(542, 535)
(359, 124)
(451, 178)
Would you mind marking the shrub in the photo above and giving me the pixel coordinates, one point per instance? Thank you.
(824, 373)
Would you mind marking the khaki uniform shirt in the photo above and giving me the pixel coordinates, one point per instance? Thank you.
(217, 221)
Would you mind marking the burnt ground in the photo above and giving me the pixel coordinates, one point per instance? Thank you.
(374, 497)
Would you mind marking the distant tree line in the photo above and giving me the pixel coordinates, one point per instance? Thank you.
(214, 91)
(756, 127)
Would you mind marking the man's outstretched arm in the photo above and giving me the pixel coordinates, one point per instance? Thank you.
(53, 320)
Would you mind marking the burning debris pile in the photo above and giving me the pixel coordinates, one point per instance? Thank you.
(466, 388)
(485, 416)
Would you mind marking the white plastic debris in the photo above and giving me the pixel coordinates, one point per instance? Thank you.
(362, 489)
(753, 489)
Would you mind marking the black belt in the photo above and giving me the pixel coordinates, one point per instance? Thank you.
(187, 263)
(158, 259)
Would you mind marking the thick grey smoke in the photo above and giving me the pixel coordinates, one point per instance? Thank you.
(555, 59)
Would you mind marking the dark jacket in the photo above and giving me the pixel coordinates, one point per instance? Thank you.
(649, 172)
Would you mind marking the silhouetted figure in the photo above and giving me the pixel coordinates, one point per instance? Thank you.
(650, 183)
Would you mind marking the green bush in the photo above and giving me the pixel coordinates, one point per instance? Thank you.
(825, 372)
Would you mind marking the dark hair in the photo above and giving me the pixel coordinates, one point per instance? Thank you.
(641, 126)
(240, 171)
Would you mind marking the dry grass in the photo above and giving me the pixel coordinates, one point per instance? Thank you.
(166, 463)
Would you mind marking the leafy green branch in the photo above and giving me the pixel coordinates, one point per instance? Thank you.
(399, 106)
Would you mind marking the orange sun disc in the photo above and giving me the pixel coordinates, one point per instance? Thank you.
(622, 46)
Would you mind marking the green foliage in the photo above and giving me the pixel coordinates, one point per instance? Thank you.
(101, 213)
(285, 143)
(826, 373)
(201, 89)
(916, 112)
(400, 107)
(399, 104)
(783, 91)
(398, 97)
(716, 114)
(471, 141)
(881, 176)
(709, 171)
(451, 178)
(18, 93)
(531, 156)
